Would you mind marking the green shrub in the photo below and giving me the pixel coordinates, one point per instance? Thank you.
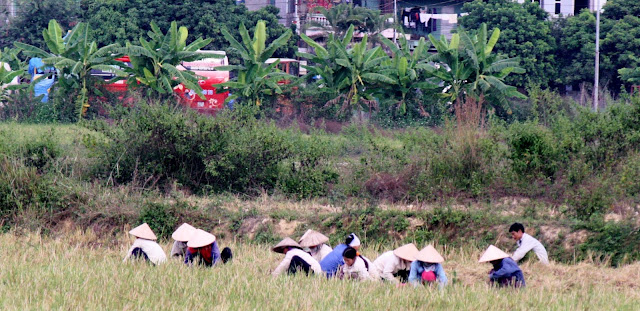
(630, 176)
(533, 149)
(618, 240)
(161, 217)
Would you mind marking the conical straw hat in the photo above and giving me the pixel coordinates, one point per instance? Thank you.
(313, 238)
(429, 254)
(201, 238)
(286, 242)
(407, 252)
(143, 231)
(492, 253)
(183, 233)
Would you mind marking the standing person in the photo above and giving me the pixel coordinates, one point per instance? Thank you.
(395, 263)
(181, 237)
(354, 266)
(202, 249)
(427, 268)
(331, 262)
(295, 259)
(526, 243)
(505, 272)
(316, 242)
(145, 246)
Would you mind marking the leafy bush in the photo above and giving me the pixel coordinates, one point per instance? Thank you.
(533, 149)
(617, 240)
(161, 217)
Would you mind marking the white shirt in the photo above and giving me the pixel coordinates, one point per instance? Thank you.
(357, 271)
(388, 264)
(179, 249)
(151, 248)
(319, 252)
(527, 243)
(284, 264)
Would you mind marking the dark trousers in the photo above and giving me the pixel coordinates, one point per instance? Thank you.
(137, 253)
(403, 275)
(297, 264)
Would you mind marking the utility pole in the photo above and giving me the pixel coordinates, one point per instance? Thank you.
(395, 20)
(597, 69)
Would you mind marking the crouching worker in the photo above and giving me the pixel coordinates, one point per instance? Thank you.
(427, 268)
(181, 237)
(354, 267)
(202, 249)
(331, 262)
(295, 259)
(396, 263)
(505, 272)
(316, 242)
(145, 246)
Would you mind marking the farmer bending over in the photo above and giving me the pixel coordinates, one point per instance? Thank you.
(295, 259)
(202, 249)
(426, 269)
(395, 263)
(145, 246)
(354, 266)
(334, 260)
(526, 243)
(315, 242)
(505, 272)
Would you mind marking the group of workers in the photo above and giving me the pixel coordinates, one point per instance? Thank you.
(311, 255)
(196, 246)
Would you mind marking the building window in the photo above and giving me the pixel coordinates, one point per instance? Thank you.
(292, 6)
(557, 7)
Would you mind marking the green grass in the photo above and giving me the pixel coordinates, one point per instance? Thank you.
(65, 273)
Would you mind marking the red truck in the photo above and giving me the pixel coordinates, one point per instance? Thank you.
(207, 78)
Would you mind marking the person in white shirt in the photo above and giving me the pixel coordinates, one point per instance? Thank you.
(181, 237)
(526, 243)
(295, 259)
(316, 243)
(145, 246)
(395, 263)
(354, 267)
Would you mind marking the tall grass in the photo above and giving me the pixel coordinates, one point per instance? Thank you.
(75, 272)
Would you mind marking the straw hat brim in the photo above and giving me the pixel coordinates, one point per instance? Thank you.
(407, 252)
(492, 253)
(201, 238)
(183, 233)
(286, 242)
(143, 231)
(429, 254)
(313, 238)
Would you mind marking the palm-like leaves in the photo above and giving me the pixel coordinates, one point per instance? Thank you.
(467, 66)
(74, 56)
(154, 61)
(255, 79)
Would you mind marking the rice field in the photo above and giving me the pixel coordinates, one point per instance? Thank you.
(75, 271)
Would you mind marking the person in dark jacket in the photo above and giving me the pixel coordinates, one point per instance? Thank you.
(505, 272)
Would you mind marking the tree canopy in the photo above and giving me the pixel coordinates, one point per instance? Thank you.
(526, 33)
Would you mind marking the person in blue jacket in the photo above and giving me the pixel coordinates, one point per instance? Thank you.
(505, 272)
(334, 260)
(427, 268)
(37, 69)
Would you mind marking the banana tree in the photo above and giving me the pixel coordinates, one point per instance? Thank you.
(255, 80)
(467, 66)
(324, 61)
(408, 69)
(363, 73)
(7, 80)
(74, 56)
(155, 60)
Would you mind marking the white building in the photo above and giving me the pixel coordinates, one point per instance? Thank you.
(567, 7)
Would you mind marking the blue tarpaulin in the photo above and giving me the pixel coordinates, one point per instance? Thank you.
(37, 68)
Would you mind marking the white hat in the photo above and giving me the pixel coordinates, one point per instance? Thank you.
(312, 238)
(183, 233)
(201, 238)
(143, 231)
(492, 253)
(355, 242)
(429, 254)
(286, 242)
(407, 252)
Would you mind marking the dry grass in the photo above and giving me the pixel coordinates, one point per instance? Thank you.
(43, 273)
